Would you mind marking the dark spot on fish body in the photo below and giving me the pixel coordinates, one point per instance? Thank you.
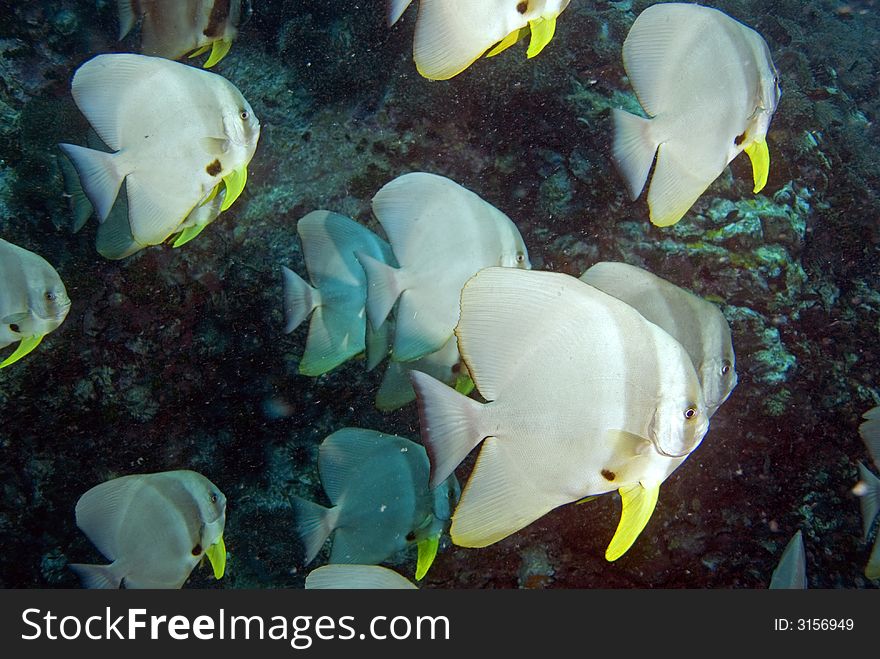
(410, 536)
(608, 475)
(218, 18)
(197, 550)
(739, 139)
(522, 7)
(214, 168)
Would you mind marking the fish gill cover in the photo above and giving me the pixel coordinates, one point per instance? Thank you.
(176, 358)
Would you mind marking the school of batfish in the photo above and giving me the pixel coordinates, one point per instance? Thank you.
(448, 297)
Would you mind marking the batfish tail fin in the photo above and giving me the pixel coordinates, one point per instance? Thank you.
(450, 424)
(299, 299)
(98, 175)
(383, 288)
(633, 150)
(314, 524)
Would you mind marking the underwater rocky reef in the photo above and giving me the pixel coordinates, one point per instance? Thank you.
(176, 358)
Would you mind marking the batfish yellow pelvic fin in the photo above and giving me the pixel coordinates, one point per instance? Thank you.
(759, 154)
(507, 42)
(638, 505)
(188, 234)
(219, 49)
(26, 346)
(235, 181)
(464, 384)
(542, 32)
(216, 553)
(427, 553)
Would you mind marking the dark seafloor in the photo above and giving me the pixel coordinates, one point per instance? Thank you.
(175, 358)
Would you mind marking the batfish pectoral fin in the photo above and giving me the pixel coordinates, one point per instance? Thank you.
(216, 553)
(26, 346)
(542, 32)
(427, 553)
(464, 384)
(15, 318)
(235, 182)
(507, 42)
(638, 505)
(188, 234)
(199, 51)
(759, 154)
(219, 49)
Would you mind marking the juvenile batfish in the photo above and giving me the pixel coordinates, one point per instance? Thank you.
(441, 235)
(791, 573)
(33, 300)
(174, 28)
(710, 87)
(378, 487)
(452, 34)
(338, 294)
(584, 396)
(154, 527)
(361, 577)
(177, 133)
(697, 324)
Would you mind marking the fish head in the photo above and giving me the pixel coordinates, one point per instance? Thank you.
(446, 496)
(241, 127)
(678, 425)
(48, 302)
(718, 377)
(514, 253)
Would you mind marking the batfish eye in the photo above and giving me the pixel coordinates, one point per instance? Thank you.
(14, 328)
(213, 498)
(50, 296)
(520, 257)
(725, 368)
(244, 115)
(690, 413)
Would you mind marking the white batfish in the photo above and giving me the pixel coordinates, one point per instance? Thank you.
(441, 235)
(33, 300)
(154, 527)
(337, 297)
(868, 488)
(358, 577)
(710, 87)
(451, 35)
(174, 28)
(791, 572)
(177, 133)
(698, 325)
(584, 396)
(114, 239)
(378, 487)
